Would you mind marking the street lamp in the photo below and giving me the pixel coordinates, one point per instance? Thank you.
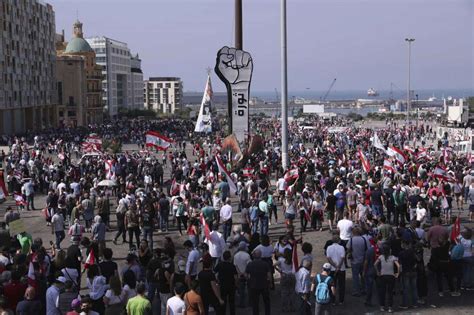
(409, 41)
(284, 89)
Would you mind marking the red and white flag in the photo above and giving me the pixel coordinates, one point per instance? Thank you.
(19, 201)
(205, 226)
(397, 154)
(223, 170)
(174, 189)
(408, 149)
(363, 160)
(422, 154)
(109, 172)
(470, 158)
(447, 152)
(291, 174)
(92, 144)
(90, 260)
(387, 165)
(441, 173)
(61, 156)
(157, 140)
(3, 189)
(247, 172)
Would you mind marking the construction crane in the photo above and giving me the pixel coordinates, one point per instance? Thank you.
(328, 91)
(277, 96)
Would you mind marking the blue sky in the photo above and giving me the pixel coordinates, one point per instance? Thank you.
(359, 42)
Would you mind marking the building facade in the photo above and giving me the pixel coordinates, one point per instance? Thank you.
(79, 95)
(163, 94)
(27, 66)
(116, 61)
(137, 82)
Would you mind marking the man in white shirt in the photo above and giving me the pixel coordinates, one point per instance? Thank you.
(216, 244)
(281, 186)
(420, 213)
(241, 260)
(191, 262)
(175, 305)
(226, 218)
(52, 296)
(336, 254)
(345, 228)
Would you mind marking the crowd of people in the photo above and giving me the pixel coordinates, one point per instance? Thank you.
(391, 201)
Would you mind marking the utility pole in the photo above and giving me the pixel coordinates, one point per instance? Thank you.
(238, 25)
(284, 90)
(409, 41)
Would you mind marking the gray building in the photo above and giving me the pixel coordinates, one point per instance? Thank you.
(137, 82)
(163, 94)
(115, 58)
(28, 90)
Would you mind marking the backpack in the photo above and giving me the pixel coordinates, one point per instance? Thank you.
(322, 293)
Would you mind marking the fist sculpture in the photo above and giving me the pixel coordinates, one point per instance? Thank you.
(234, 67)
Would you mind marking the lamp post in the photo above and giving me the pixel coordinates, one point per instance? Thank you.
(409, 41)
(238, 25)
(284, 90)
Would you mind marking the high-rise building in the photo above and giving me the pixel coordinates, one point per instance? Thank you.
(163, 94)
(79, 82)
(116, 61)
(137, 82)
(27, 66)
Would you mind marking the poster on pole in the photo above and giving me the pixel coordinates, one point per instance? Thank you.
(234, 67)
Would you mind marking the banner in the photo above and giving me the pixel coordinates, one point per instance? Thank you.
(377, 143)
(204, 121)
(157, 140)
(234, 67)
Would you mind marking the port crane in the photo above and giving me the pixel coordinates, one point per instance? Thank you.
(323, 98)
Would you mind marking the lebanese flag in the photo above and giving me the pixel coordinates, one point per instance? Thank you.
(387, 165)
(291, 174)
(157, 140)
(247, 172)
(422, 153)
(397, 154)
(3, 189)
(174, 189)
(456, 230)
(294, 257)
(92, 144)
(223, 169)
(109, 169)
(207, 231)
(408, 149)
(19, 201)
(363, 160)
(90, 259)
(61, 156)
(441, 173)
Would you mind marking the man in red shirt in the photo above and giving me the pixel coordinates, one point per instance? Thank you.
(14, 291)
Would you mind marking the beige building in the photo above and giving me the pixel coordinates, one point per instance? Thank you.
(79, 82)
(163, 94)
(27, 66)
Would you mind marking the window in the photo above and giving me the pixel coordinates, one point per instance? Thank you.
(71, 101)
(60, 92)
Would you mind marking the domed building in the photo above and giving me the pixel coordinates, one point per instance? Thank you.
(79, 82)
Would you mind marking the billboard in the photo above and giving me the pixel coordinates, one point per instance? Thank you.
(313, 108)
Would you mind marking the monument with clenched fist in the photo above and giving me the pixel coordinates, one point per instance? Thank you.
(234, 67)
